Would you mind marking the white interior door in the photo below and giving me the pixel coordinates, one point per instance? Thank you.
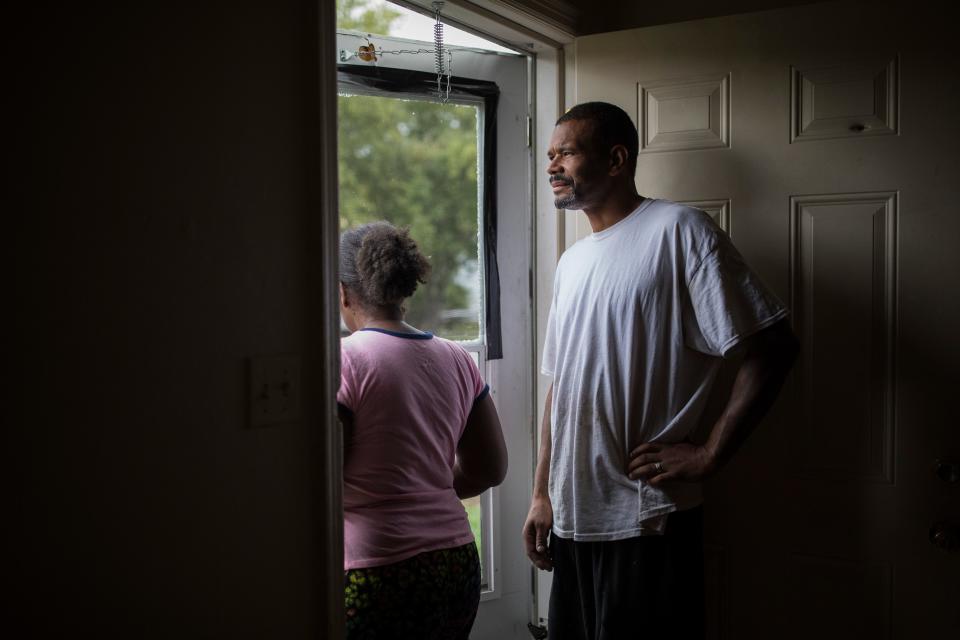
(824, 139)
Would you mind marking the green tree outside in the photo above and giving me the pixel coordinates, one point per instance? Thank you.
(414, 163)
(366, 16)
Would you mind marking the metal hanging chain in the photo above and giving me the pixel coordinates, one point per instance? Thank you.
(438, 53)
(372, 54)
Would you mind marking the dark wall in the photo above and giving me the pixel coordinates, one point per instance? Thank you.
(166, 205)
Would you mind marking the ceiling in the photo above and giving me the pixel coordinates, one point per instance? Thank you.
(584, 17)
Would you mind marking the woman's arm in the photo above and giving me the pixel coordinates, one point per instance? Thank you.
(346, 419)
(481, 453)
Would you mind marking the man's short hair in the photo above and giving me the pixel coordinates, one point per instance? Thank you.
(611, 126)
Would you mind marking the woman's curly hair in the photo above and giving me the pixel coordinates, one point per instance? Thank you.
(381, 264)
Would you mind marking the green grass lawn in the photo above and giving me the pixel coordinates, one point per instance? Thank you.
(472, 505)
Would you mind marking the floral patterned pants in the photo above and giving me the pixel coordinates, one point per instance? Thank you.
(431, 596)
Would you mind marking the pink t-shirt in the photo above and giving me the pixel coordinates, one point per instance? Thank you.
(410, 395)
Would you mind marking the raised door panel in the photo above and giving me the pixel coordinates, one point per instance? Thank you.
(843, 296)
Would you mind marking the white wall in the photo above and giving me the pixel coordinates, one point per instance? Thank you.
(169, 227)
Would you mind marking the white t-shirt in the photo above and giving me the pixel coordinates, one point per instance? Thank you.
(641, 311)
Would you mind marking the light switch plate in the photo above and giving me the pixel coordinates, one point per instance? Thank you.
(273, 388)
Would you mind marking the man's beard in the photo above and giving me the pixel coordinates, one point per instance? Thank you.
(570, 201)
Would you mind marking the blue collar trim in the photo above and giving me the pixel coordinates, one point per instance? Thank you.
(426, 335)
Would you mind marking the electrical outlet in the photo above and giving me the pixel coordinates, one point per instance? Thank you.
(273, 386)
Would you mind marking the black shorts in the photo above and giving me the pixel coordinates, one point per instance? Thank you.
(638, 588)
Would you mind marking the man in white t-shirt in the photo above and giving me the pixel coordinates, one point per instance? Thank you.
(644, 310)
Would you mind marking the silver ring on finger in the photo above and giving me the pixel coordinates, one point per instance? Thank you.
(658, 467)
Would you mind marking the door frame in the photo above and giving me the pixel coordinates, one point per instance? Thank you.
(545, 43)
(330, 472)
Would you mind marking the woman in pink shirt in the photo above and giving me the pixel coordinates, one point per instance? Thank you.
(421, 433)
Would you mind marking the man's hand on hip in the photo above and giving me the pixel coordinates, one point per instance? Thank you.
(536, 531)
(656, 462)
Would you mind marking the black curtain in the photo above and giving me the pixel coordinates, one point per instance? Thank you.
(420, 82)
